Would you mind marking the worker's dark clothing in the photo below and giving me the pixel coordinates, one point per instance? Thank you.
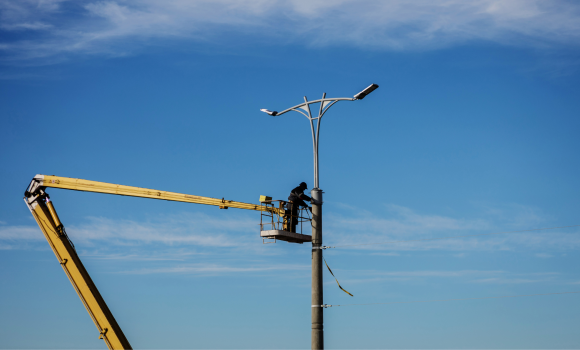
(295, 201)
(297, 196)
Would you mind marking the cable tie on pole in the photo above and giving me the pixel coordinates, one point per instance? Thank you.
(324, 306)
(323, 247)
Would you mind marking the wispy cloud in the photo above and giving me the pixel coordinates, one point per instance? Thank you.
(457, 276)
(17, 233)
(428, 273)
(189, 234)
(514, 280)
(358, 227)
(201, 244)
(366, 276)
(105, 238)
(57, 27)
(178, 255)
(187, 229)
(214, 269)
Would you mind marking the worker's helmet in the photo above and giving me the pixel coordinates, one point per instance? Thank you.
(303, 185)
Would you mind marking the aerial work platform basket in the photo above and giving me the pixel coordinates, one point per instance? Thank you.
(279, 224)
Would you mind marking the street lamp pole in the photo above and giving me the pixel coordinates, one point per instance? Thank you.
(317, 338)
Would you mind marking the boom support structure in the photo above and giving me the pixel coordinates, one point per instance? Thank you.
(45, 215)
(42, 209)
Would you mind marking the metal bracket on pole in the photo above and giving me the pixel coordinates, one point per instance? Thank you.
(323, 247)
(324, 306)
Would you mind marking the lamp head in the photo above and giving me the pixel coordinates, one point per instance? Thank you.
(365, 92)
(272, 113)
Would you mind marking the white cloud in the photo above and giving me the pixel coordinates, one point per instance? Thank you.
(512, 280)
(174, 255)
(27, 14)
(387, 254)
(118, 27)
(126, 239)
(214, 269)
(428, 273)
(184, 230)
(455, 276)
(26, 26)
(10, 233)
(358, 227)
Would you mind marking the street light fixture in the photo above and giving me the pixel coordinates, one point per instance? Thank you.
(365, 92)
(272, 113)
(317, 342)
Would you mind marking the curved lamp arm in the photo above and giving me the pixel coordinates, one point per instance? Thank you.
(325, 104)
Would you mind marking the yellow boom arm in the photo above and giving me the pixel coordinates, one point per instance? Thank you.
(68, 183)
(45, 215)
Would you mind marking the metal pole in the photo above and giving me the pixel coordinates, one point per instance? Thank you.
(317, 302)
(317, 342)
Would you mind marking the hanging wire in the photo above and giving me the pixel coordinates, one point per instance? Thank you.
(339, 286)
(448, 237)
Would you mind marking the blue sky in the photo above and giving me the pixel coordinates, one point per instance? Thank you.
(474, 129)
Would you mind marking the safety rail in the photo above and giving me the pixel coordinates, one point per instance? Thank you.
(278, 223)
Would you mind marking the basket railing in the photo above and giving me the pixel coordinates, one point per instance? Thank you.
(280, 218)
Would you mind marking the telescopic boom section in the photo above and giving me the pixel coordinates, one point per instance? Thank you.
(68, 183)
(43, 211)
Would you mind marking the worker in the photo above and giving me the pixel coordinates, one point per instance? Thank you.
(295, 201)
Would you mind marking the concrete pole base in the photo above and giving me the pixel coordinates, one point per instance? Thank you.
(317, 342)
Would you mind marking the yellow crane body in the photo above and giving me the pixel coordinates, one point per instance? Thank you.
(42, 209)
(45, 215)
